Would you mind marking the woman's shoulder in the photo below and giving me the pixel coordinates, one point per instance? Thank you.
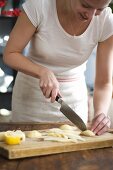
(39, 2)
(35, 3)
(105, 24)
(106, 12)
(42, 6)
(106, 16)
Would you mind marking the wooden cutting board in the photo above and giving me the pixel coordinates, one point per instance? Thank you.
(37, 148)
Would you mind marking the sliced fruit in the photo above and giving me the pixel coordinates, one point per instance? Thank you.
(87, 133)
(12, 140)
(14, 137)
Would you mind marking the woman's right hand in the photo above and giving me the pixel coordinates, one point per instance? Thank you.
(49, 84)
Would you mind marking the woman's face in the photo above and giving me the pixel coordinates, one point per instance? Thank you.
(86, 9)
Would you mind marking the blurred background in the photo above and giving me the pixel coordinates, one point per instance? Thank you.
(9, 12)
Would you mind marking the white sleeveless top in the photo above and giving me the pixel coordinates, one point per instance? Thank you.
(52, 47)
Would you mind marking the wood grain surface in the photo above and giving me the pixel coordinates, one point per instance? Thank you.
(94, 159)
(36, 147)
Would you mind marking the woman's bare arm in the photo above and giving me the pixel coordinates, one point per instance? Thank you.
(19, 37)
(103, 85)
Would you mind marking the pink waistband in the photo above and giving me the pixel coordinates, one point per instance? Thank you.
(67, 79)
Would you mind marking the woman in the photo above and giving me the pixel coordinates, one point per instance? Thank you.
(63, 34)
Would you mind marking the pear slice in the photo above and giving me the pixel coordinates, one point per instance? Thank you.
(87, 133)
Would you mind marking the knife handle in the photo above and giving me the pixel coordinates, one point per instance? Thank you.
(58, 99)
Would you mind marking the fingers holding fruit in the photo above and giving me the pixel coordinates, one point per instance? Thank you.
(100, 124)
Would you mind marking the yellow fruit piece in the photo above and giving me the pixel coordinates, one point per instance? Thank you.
(57, 135)
(87, 133)
(12, 140)
(33, 134)
(66, 127)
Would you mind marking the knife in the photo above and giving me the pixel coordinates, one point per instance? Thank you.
(70, 114)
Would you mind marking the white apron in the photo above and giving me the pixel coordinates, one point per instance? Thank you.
(29, 104)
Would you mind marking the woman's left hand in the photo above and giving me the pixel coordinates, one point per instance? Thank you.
(100, 124)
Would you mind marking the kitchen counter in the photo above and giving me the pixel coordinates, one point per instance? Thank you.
(96, 159)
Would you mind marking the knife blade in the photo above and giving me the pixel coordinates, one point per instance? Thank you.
(70, 114)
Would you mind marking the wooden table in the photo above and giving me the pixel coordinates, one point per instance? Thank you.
(97, 159)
